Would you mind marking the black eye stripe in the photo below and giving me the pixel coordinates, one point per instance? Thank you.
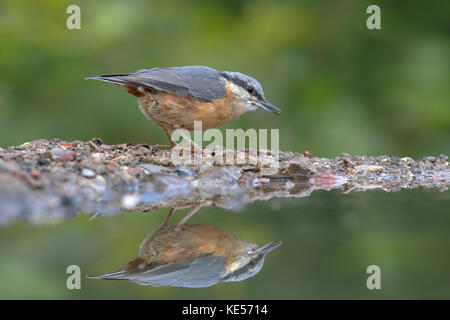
(242, 82)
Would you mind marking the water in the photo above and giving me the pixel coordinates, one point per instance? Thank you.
(329, 239)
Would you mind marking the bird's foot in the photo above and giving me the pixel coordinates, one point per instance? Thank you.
(163, 147)
(195, 147)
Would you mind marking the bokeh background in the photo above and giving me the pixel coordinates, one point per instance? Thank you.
(342, 88)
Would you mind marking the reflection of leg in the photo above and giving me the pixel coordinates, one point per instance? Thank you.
(172, 144)
(189, 215)
(171, 212)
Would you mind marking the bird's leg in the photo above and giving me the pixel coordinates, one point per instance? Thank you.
(189, 215)
(186, 139)
(171, 212)
(172, 143)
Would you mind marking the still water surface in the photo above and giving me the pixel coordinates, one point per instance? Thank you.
(328, 241)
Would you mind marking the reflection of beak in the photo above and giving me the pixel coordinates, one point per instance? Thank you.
(267, 106)
(268, 247)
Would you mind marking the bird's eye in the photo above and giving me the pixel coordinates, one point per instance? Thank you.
(250, 90)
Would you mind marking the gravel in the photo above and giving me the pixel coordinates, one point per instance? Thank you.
(46, 181)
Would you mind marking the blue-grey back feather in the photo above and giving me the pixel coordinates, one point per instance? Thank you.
(201, 272)
(198, 81)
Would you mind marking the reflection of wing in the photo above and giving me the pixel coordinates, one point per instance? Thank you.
(200, 82)
(202, 272)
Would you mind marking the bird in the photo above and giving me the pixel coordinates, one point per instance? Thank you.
(194, 256)
(175, 97)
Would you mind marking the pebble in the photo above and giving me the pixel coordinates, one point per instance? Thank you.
(346, 155)
(130, 201)
(98, 157)
(88, 173)
(289, 185)
(152, 168)
(43, 161)
(58, 152)
(255, 182)
(70, 156)
(36, 174)
(185, 171)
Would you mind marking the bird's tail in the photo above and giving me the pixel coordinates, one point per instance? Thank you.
(121, 275)
(123, 272)
(113, 78)
(122, 80)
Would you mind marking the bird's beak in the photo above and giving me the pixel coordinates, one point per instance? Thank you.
(265, 249)
(267, 106)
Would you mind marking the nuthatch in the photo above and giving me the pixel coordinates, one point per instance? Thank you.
(192, 255)
(176, 97)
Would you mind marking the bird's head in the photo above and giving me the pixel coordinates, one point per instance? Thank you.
(249, 262)
(249, 90)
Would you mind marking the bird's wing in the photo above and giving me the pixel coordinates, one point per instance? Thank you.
(197, 81)
(202, 272)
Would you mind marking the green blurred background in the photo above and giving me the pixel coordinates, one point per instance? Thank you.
(342, 88)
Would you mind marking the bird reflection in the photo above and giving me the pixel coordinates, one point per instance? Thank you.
(192, 255)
